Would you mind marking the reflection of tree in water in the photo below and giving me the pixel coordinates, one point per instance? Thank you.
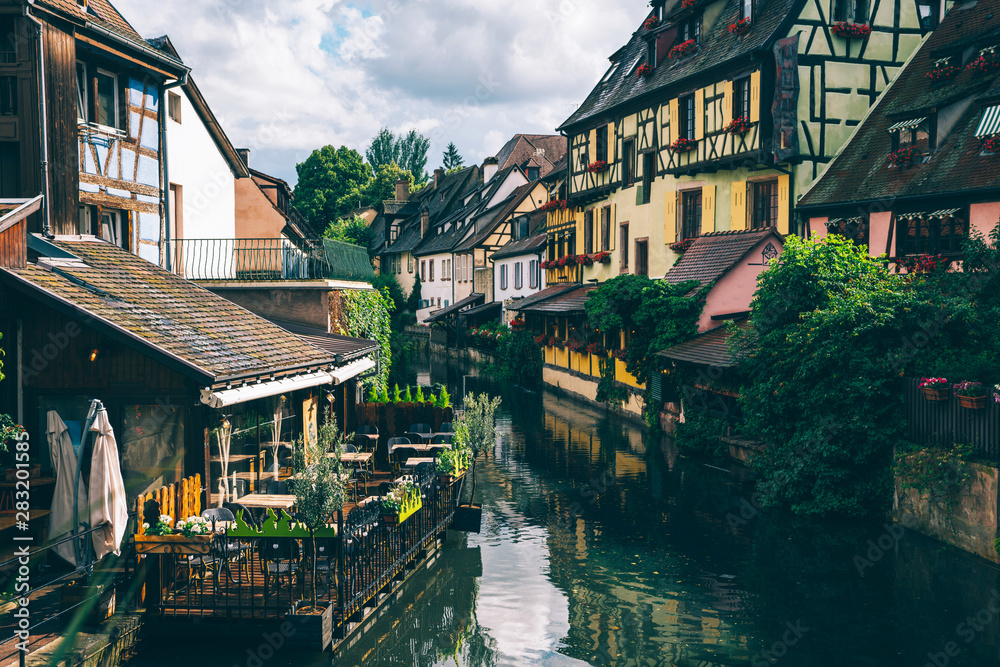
(436, 616)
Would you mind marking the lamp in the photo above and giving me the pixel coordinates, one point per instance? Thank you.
(94, 354)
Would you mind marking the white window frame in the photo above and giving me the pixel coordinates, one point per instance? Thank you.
(503, 276)
(533, 274)
(114, 127)
(81, 93)
(518, 275)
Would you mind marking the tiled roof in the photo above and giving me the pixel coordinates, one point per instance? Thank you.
(483, 309)
(498, 214)
(346, 346)
(212, 337)
(473, 298)
(712, 255)
(523, 148)
(566, 302)
(440, 202)
(526, 246)
(718, 46)
(97, 11)
(862, 173)
(709, 349)
(547, 293)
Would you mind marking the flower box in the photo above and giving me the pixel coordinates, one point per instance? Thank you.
(683, 145)
(597, 167)
(991, 145)
(850, 30)
(942, 73)
(904, 156)
(741, 27)
(681, 246)
(935, 393)
(554, 205)
(651, 23)
(603, 257)
(688, 4)
(313, 628)
(644, 70)
(972, 402)
(739, 125)
(584, 260)
(173, 544)
(985, 63)
(683, 49)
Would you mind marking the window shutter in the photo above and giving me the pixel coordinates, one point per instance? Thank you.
(784, 188)
(699, 114)
(708, 209)
(612, 143)
(670, 217)
(592, 146)
(738, 208)
(755, 97)
(727, 103)
(675, 120)
(611, 227)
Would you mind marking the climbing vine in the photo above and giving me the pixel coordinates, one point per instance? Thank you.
(367, 315)
(938, 472)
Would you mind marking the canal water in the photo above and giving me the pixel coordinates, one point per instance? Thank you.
(601, 546)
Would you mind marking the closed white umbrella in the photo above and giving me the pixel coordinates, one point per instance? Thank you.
(107, 489)
(63, 458)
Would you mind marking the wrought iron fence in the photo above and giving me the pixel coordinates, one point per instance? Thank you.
(268, 260)
(946, 422)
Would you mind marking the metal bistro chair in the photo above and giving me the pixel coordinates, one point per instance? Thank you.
(350, 449)
(326, 559)
(415, 438)
(420, 428)
(279, 557)
(389, 445)
(447, 428)
(442, 440)
(362, 438)
(403, 454)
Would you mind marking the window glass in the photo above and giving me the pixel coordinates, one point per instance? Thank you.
(81, 91)
(741, 98)
(690, 214)
(765, 204)
(152, 447)
(107, 100)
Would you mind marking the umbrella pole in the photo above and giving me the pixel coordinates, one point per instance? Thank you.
(95, 407)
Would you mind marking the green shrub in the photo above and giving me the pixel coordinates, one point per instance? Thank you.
(698, 436)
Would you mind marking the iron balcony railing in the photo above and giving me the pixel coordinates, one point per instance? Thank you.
(268, 259)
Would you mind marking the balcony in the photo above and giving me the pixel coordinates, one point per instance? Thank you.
(263, 260)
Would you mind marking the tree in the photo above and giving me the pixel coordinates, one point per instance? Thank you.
(383, 150)
(409, 151)
(383, 186)
(413, 301)
(326, 177)
(452, 160)
(476, 430)
(355, 230)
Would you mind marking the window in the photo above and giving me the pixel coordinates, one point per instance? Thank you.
(423, 271)
(107, 99)
(518, 276)
(8, 39)
(409, 263)
(174, 106)
(81, 91)
(642, 257)
(601, 150)
(920, 233)
(850, 10)
(393, 232)
(623, 247)
(765, 204)
(689, 29)
(628, 164)
(746, 9)
(8, 95)
(398, 263)
(519, 228)
(114, 229)
(690, 214)
(588, 232)
(651, 53)
(741, 98)
(915, 133)
(928, 10)
(99, 97)
(648, 173)
(533, 173)
(533, 274)
(439, 302)
(606, 228)
(856, 228)
(446, 303)
(431, 269)
(687, 111)
(503, 276)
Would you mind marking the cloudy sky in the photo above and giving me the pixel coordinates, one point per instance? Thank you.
(288, 77)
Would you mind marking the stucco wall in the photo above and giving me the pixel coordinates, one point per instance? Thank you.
(195, 163)
(256, 216)
(984, 217)
(734, 291)
(511, 292)
(437, 288)
(303, 306)
(970, 525)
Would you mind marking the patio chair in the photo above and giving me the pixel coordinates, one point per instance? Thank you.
(415, 437)
(447, 428)
(279, 557)
(420, 428)
(389, 445)
(402, 454)
(367, 429)
(362, 442)
(326, 559)
(350, 449)
(279, 488)
(442, 440)
(225, 552)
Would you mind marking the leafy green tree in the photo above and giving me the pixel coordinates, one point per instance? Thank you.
(383, 186)
(355, 231)
(325, 179)
(821, 358)
(409, 151)
(413, 301)
(383, 150)
(452, 160)
(475, 429)
(519, 359)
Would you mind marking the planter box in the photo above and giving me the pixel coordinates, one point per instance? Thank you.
(10, 474)
(313, 632)
(936, 393)
(173, 544)
(448, 480)
(972, 402)
(104, 606)
(468, 518)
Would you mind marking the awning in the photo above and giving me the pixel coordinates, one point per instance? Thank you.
(353, 369)
(470, 300)
(943, 213)
(990, 124)
(907, 124)
(251, 392)
(924, 215)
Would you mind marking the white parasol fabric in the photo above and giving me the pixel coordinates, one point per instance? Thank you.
(107, 489)
(63, 458)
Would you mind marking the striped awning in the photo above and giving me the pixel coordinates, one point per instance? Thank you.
(924, 215)
(990, 124)
(943, 213)
(907, 124)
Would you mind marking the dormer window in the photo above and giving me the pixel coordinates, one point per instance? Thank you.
(746, 10)
(927, 11)
(916, 133)
(989, 125)
(393, 232)
(689, 28)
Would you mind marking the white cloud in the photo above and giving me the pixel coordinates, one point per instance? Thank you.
(293, 76)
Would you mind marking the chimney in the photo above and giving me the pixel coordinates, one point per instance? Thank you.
(403, 189)
(244, 154)
(438, 176)
(490, 168)
(425, 222)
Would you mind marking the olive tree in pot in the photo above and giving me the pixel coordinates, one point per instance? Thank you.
(320, 493)
(475, 429)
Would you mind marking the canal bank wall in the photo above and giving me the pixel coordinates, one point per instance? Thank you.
(967, 520)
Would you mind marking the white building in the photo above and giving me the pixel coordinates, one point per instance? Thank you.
(516, 266)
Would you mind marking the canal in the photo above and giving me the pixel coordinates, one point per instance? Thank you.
(600, 546)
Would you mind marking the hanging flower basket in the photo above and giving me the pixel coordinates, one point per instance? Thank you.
(643, 70)
(554, 205)
(738, 126)
(991, 145)
(942, 73)
(683, 145)
(972, 402)
(683, 49)
(971, 395)
(986, 63)
(584, 260)
(741, 27)
(904, 156)
(934, 389)
(597, 167)
(651, 23)
(851, 30)
(681, 246)
(603, 257)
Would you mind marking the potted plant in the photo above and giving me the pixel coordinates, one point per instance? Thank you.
(971, 395)
(643, 71)
(189, 536)
(319, 491)
(851, 30)
(934, 389)
(475, 430)
(651, 23)
(741, 27)
(451, 465)
(400, 503)
(683, 144)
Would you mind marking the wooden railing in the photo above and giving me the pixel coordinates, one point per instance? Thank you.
(946, 422)
(179, 500)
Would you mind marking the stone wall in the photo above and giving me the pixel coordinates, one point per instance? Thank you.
(970, 524)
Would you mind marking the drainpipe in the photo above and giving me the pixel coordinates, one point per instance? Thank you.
(44, 131)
